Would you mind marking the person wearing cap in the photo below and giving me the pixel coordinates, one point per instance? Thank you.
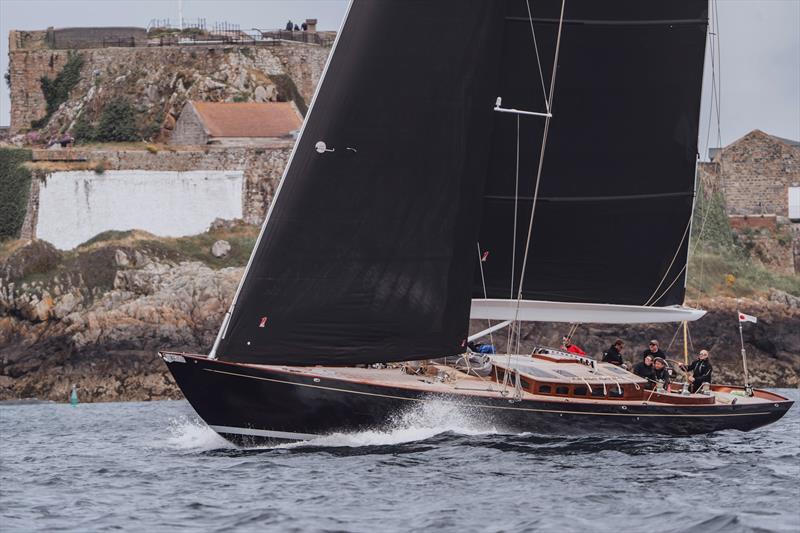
(654, 351)
(614, 354)
(660, 371)
(571, 348)
(701, 371)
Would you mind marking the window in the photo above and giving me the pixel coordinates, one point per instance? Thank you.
(615, 392)
(544, 389)
(597, 390)
(794, 204)
(562, 390)
(580, 391)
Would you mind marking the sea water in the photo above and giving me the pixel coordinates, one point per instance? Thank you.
(156, 467)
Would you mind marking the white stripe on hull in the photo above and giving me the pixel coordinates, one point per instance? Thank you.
(250, 432)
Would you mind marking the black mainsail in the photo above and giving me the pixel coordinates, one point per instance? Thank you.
(617, 184)
(369, 250)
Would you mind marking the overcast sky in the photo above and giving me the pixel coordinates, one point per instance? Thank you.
(759, 45)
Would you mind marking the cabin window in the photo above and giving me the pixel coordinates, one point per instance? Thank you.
(580, 391)
(544, 389)
(598, 391)
(615, 392)
(562, 390)
(524, 384)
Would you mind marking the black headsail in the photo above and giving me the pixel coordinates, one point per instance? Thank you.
(617, 185)
(367, 251)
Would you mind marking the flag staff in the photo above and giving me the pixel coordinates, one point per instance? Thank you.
(748, 389)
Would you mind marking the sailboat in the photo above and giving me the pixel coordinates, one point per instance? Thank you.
(470, 159)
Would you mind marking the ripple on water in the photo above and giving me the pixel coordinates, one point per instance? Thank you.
(108, 466)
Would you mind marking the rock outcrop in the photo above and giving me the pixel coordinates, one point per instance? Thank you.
(100, 325)
(61, 331)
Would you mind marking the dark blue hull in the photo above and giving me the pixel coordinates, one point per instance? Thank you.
(254, 403)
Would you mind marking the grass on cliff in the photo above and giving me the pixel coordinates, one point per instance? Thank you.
(15, 183)
(241, 237)
(720, 264)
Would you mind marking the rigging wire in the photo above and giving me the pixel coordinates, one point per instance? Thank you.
(514, 238)
(714, 105)
(651, 301)
(538, 61)
(539, 169)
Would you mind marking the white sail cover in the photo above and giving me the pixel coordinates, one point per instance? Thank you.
(584, 313)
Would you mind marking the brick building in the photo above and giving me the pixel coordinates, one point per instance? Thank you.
(236, 124)
(759, 176)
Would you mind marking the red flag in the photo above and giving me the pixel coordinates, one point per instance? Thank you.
(747, 318)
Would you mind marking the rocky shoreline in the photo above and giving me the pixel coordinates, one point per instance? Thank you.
(100, 324)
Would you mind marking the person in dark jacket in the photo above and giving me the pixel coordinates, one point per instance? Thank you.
(614, 354)
(289, 25)
(660, 371)
(644, 369)
(701, 371)
(654, 351)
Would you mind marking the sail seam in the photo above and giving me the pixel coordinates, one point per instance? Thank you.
(589, 22)
(594, 198)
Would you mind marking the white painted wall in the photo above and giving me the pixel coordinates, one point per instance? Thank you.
(77, 205)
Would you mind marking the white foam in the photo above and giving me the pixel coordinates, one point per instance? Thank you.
(187, 434)
(424, 421)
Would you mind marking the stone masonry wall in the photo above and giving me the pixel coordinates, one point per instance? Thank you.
(756, 172)
(262, 167)
(159, 80)
(188, 128)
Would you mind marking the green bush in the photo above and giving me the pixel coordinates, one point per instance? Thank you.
(56, 91)
(15, 182)
(83, 130)
(117, 122)
(718, 255)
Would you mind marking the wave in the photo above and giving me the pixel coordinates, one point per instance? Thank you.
(424, 421)
(188, 434)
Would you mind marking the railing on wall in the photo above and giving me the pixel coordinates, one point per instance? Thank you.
(221, 37)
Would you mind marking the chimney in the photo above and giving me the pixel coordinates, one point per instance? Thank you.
(312, 24)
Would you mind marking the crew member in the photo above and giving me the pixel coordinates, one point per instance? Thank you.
(644, 369)
(571, 348)
(654, 351)
(660, 372)
(701, 371)
(614, 354)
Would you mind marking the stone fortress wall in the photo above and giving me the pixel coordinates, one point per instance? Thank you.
(158, 79)
(754, 174)
(259, 170)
